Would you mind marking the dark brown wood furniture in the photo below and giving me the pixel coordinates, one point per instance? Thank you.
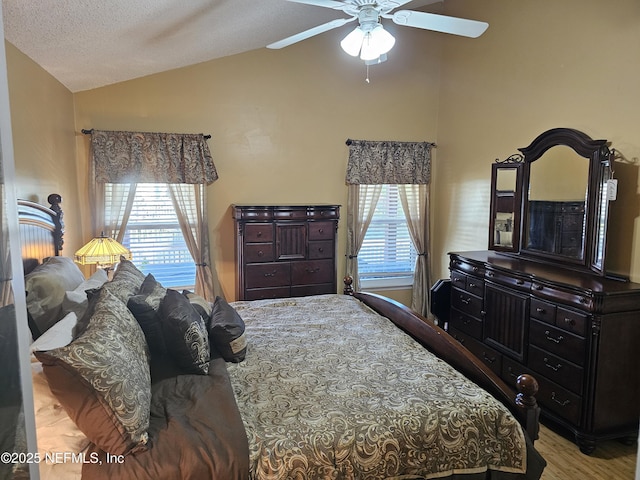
(547, 305)
(285, 250)
(578, 334)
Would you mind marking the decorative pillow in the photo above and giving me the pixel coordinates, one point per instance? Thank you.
(76, 300)
(203, 307)
(226, 332)
(46, 286)
(185, 333)
(145, 306)
(102, 378)
(126, 282)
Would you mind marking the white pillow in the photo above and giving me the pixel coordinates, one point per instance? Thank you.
(76, 300)
(60, 335)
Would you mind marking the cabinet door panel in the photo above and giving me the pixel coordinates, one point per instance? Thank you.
(291, 241)
(506, 314)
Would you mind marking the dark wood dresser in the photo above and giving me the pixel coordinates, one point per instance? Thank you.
(285, 250)
(577, 334)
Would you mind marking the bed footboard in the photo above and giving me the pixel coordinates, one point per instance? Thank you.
(522, 403)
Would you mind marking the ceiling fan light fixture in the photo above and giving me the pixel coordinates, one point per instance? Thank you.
(376, 42)
(352, 43)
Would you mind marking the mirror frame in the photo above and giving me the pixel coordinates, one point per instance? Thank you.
(596, 208)
(513, 162)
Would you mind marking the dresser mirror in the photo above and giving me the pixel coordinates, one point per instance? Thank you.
(565, 205)
(506, 200)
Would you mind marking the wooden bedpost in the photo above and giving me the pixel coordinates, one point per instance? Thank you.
(54, 200)
(348, 285)
(526, 401)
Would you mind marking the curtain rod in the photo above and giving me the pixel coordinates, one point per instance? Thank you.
(90, 131)
(431, 144)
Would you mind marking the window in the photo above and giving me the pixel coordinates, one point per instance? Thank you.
(387, 257)
(154, 237)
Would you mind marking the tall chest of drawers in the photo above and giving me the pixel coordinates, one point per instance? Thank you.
(577, 334)
(285, 250)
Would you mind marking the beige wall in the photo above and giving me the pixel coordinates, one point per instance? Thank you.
(279, 120)
(42, 122)
(541, 64)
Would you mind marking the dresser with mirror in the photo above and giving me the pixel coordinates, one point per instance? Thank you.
(541, 301)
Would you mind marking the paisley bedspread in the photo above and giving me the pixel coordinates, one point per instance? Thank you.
(329, 389)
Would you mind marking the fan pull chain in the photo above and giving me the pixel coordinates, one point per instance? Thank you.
(367, 79)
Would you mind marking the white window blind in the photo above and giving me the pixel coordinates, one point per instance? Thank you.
(387, 250)
(154, 237)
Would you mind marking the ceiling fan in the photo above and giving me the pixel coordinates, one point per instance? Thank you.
(370, 40)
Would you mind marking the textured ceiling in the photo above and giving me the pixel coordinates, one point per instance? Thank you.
(87, 44)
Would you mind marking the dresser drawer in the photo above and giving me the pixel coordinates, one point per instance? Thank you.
(258, 252)
(258, 232)
(543, 311)
(321, 230)
(465, 302)
(556, 369)
(513, 281)
(511, 370)
(267, 275)
(316, 213)
(319, 271)
(487, 355)
(306, 290)
(559, 400)
(557, 341)
(458, 280)
(574, 322)
(475, 286)
(466, 267)
(466, 324)
(321, 249)
(266, 293)
(560, 295)
(290, 214)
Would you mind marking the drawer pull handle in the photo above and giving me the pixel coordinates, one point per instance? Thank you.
(547, 334)
(488, 358)
(537, 287)
(562, 403)
(540, 310)
(519, 282)
(260, 253)
(475, 269)
(272, 274)
(321, 250)
(555, 368)
(456, 279)
(569, 321)
(466, 301)
(491, 274)
(312, 270)
(511, 373)
(259, 234)
(320, 230)
(472, 285)
(466, 321)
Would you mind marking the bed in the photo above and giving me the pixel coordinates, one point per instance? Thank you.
(329, 386)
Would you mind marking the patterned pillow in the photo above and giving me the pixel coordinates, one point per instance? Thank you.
(126, 282)
(145, 306)
(102, 378)
(226, 332)
(185, 333)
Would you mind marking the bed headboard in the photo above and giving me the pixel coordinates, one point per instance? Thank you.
(41, 230)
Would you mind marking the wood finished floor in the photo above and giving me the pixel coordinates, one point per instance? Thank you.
(612, 460)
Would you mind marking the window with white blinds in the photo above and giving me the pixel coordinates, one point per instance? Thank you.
(387, 253)
(154, 237)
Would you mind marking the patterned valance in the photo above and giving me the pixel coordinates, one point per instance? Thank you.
(139, 157)
(374, 163)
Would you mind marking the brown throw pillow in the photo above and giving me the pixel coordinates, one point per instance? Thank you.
(145, 306)
(185, 333)
(226, 332)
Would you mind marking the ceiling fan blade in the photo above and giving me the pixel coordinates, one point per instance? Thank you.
(322, 3)
(310, 33)
(439, 23)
